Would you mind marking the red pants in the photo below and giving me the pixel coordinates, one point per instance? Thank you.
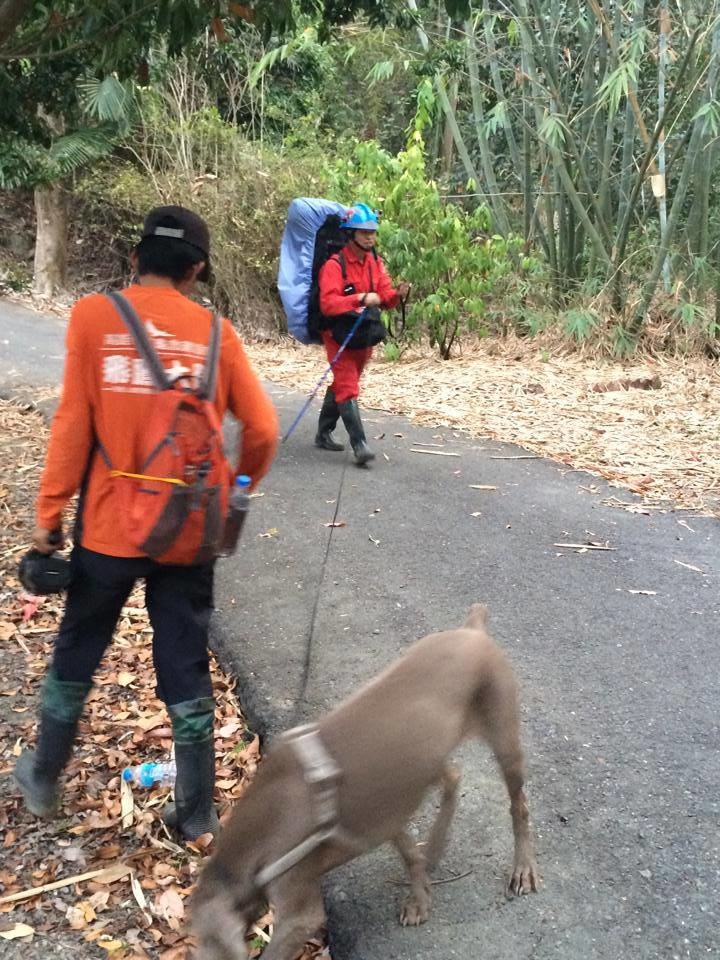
(348, 369)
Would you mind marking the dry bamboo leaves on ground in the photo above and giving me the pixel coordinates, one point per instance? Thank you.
(85, 882)
(661, 443)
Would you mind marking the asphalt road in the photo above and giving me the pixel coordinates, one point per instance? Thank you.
(31, 348)
(616, 651)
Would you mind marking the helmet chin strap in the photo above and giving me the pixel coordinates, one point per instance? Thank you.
(359, 246)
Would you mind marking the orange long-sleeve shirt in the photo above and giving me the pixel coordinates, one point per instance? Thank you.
(107, 396)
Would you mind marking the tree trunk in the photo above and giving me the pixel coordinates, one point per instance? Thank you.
(50, 240)
(11, 13)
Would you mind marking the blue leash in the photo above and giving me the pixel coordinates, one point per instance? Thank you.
(323, 378)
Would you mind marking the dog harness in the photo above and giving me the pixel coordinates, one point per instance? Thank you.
(321, 774)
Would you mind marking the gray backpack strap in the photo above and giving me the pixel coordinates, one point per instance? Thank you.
(208, 378)
(142, 341)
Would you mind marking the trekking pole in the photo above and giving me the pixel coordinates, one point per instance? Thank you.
(323, 378)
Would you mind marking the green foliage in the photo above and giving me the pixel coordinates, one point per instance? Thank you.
(19, 160)
(579, 323)
(496, 118)
(14, 277)
(615, 87)
(426, 105)
(108, 100)
(184, 152)
(698, 322)
(60, 117)
(382, 70)
(305, 41)
(534, 321)
(69, 63)
(552, 130)
(689, 314)
(623, 342)
(25, 163)
(443, 250)
(710, 112)
(77, 149)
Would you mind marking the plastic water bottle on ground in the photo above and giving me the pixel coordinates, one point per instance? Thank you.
(151, 774)
(237, 511)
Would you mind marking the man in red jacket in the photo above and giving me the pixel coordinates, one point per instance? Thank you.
(349, 282)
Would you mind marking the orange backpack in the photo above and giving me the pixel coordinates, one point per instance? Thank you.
(174, 507)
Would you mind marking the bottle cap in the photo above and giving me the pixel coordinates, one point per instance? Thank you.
(147, 777)
(243, 480)
(127, 775)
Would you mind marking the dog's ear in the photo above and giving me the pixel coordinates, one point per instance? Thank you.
(477, 618)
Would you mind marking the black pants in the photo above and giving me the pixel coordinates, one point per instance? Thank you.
(179, 601)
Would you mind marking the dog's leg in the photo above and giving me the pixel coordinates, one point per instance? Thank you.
(416, 908)
(299, 913)
(500, 716)
(524, 877)
(437, 840)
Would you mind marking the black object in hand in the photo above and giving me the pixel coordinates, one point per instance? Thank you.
(41, 573)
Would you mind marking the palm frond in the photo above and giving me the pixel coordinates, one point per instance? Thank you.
(108, 100)
(301, 41)
(79, 148)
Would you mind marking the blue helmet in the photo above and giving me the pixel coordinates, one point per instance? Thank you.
(362, 217)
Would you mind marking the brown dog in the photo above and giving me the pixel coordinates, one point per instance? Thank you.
(357, 785)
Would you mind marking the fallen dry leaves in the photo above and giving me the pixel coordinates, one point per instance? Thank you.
(107, 877)
(661, 443)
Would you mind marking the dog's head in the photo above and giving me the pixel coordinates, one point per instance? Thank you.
(477, 617)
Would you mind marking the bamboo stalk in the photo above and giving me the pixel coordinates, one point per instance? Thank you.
(445, 102)
(626, 166)
(618, 254)
(498, 85)
(664, 30)
(599, 227)
(632, 96)
(680, 190)
(498, 207)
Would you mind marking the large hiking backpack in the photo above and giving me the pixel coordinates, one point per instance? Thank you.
(174, 506)
(312, 235)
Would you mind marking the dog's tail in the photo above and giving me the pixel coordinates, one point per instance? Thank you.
(477, 617)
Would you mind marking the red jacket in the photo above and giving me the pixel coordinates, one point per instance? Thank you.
(365, 275)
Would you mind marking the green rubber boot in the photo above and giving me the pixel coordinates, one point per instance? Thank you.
(350, 413)
(329, 415)
(37, 772)
(193, 813)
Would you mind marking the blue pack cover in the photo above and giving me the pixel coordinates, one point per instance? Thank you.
(305, 217)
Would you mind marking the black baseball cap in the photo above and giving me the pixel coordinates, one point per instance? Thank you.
(179, 223)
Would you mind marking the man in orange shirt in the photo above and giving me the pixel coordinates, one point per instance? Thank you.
(106, 401)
